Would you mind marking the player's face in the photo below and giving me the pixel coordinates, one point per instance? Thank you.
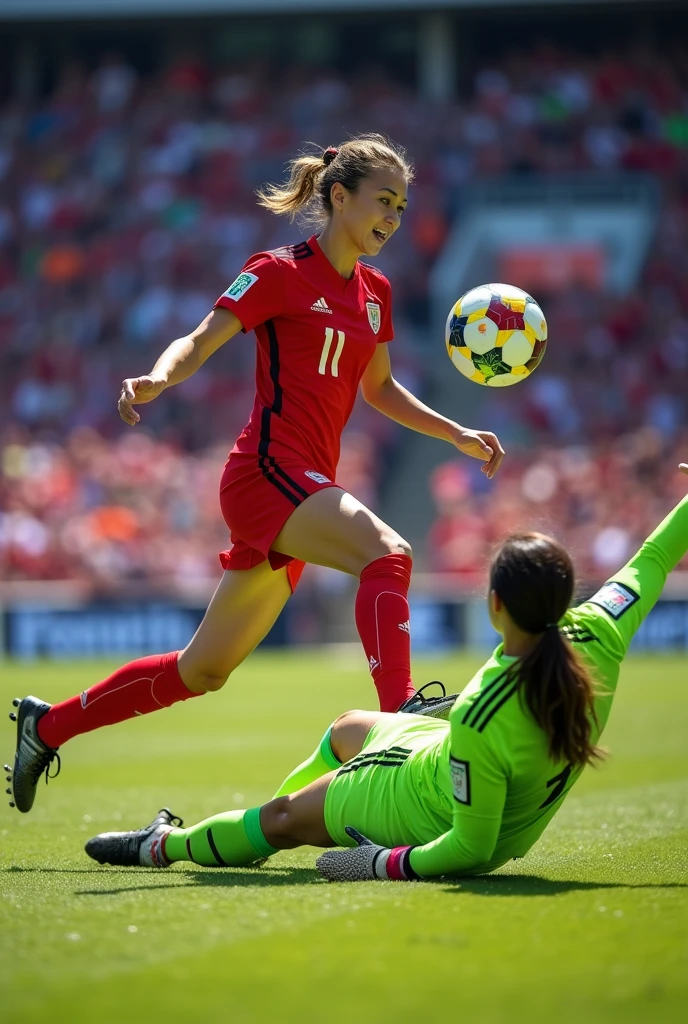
(373, 213)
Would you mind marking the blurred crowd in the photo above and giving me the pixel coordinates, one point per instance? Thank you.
(601, 500)
(126, 207)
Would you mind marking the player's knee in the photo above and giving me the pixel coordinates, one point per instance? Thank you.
(349, 732)
(394, 544)
(276, 819)
(403, 548)
(340, 728)
(344, 719)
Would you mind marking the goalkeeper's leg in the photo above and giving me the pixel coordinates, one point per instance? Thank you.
(241, 838)
(295, 817)
(230, 840)
(342, 741)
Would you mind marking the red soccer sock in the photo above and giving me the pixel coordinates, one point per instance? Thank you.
(138, 688)
(382, 620)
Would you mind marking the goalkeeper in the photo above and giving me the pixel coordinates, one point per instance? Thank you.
(409, 797)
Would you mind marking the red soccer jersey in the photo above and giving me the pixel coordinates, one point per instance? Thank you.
(317, 332)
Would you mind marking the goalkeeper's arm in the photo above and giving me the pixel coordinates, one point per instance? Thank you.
(479, 784)
(479, 792)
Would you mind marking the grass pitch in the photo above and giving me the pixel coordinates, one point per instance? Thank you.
(590, 926)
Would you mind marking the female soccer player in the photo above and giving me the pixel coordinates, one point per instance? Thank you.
(323, 320)
(457, 797)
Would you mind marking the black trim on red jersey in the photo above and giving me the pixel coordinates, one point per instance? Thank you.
(300, 251)
(266, 462)
(265, 470)
(276, 406)
(292, 483)
(269, 468)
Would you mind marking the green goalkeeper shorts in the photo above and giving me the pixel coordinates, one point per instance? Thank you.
(390, 791)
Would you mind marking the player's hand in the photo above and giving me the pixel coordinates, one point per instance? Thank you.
(480, 444)
(366, 862)
(135, 391)
(683, 466)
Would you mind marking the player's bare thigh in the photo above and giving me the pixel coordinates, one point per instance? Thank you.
(299, 818)
(350, 731)
(333, 528)
(241, 612)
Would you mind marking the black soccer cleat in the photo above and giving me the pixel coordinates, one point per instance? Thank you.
(32, 757)
(431, 707)
(141, 848)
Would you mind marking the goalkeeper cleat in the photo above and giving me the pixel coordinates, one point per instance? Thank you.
(144, 847)
(33, 757)
(432, 707)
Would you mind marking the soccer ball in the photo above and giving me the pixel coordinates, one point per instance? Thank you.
(496, 335)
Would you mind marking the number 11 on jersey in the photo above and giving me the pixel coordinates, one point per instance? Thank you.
(334, 366)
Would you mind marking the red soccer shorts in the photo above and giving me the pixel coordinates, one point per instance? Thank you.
(257, 496)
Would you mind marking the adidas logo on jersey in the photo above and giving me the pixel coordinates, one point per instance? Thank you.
(320, 306)
(405, 627)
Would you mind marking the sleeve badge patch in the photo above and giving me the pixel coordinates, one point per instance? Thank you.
(239, 287)
(461, 780)
(615, 598)
(373, 316)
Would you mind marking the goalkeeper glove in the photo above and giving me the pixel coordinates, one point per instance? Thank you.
(366, 861)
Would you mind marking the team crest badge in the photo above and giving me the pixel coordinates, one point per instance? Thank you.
(244, 281)
(373, 316)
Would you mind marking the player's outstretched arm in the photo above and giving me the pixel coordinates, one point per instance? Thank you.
(384, 393)
(180, 360)
(621, 605)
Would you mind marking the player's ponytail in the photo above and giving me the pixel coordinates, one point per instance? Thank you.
(312, 175)
(533, 575)
(297, 193)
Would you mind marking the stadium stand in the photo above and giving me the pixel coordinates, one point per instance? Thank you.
(127, 206)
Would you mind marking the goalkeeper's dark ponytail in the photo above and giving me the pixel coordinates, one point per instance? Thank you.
(534, 577)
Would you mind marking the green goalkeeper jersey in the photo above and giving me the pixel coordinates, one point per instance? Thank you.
(494, 765)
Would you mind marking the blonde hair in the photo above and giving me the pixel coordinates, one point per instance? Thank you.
(312, 175)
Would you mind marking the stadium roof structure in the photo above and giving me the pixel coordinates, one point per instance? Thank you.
(23, 10)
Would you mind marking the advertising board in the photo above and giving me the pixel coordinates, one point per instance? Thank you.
(32, 632)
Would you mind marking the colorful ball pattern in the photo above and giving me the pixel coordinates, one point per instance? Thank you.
(496, 335)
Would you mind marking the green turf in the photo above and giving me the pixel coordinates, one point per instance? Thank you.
(591, 926)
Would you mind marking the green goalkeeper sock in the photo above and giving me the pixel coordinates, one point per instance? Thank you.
(233, 839)
(321, 761)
